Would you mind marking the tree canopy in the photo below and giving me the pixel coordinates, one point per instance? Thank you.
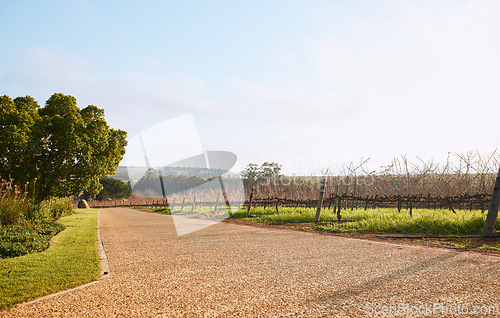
(58, 150)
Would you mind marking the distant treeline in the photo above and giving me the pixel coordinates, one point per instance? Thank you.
(137, 173)
(150, 186)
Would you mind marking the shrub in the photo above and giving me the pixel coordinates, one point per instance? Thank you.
(35, 211)
(12, 204)
(26, 226)
(58, 207)
(34, 237)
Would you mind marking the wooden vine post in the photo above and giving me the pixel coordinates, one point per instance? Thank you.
(250, 202)
(228, 206)
(182, 204)
(339, 216)
(194, 203)
(216, 203)
(491, 218)
(320, 200)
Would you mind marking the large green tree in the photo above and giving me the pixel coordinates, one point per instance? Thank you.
(60, 149)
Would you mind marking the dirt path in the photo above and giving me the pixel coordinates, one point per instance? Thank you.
(232, 270)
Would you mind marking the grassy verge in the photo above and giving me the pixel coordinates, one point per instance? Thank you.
(71, 260)
(162, 210)
(199, 211)
(479, 243)
(385, 221)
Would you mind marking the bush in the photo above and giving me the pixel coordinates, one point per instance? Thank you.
(26, 226)
(16, 240)
(57, 207)
(12, 204)
(36, 211)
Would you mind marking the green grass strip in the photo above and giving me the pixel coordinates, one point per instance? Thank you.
(72, 259)
(380, 220)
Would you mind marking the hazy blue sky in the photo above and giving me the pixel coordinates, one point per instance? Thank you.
(309, 84)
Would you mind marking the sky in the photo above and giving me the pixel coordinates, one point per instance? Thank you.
(308, 84)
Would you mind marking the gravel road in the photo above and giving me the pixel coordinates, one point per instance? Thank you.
(230, 270)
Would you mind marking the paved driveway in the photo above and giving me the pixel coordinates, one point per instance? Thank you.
(230, 270)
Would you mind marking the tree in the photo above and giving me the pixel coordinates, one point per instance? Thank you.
(59, 150)
(270, 171)
(491, 217)
(111, 188)
(251, 174)
(17, 120)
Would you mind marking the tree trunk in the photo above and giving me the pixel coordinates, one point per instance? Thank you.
(491, 218)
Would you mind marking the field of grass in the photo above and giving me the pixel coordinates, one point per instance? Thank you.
(71, 260)
(379, 221)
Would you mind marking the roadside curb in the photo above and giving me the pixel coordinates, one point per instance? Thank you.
(102, 252)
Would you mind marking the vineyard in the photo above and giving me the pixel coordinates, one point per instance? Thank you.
(464, 181)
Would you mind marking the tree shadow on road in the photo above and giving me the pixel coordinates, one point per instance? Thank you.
(375, 283)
